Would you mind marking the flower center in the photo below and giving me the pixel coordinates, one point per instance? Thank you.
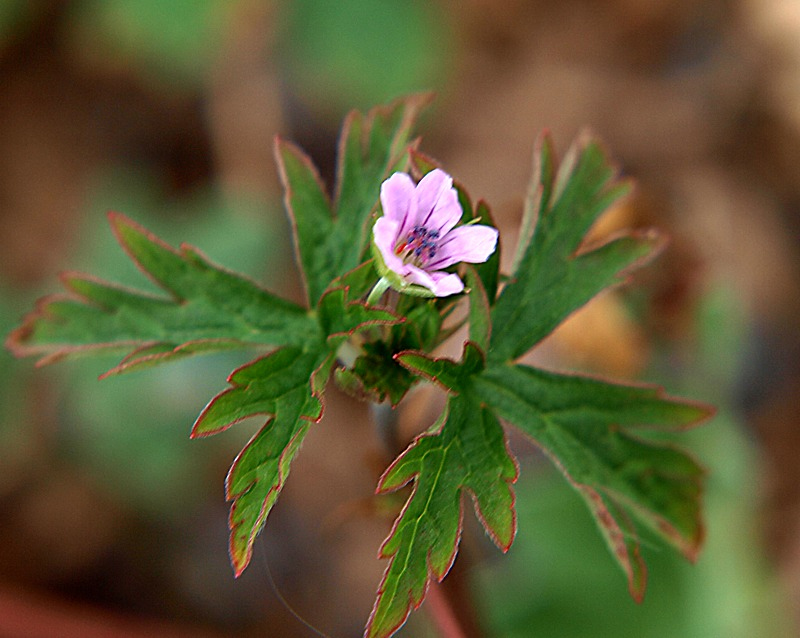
(419, 246)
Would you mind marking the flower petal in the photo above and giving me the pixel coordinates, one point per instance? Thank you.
(384, 234)
(437, 202)
(446, 284)
(472, 244)
(397, 197)
(416, 275)
(441, 284)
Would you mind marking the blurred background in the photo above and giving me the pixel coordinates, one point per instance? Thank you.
(113, 523)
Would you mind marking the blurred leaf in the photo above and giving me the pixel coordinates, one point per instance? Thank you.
(173, 42)
(336, 55)
(15, 16)
(17, 436)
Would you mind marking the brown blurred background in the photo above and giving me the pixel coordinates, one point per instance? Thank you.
(112, 523)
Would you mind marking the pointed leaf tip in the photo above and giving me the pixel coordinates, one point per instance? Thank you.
(464, 451)
(331, 234)
(595, 433)
(554, 274)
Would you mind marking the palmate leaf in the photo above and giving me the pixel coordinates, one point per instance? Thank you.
(286, 385)
(276, 385)
(465, 451)
(208, 308)
(553, 276)
(588, 428)
(594, 431)
(331, 236)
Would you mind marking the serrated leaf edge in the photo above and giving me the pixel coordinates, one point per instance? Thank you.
(317, 388)
(605, 519)
(133, 362)
(414, 103)
(316, 392)
(402, 358)
(382, 488)
(395, 320)
(279, 145)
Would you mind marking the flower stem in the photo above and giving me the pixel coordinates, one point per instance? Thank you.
(377, 291)
(384, 416)
(442, 613)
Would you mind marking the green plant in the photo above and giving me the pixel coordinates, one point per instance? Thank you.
(377, 344)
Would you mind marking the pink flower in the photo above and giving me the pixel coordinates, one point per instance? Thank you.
(417, 237)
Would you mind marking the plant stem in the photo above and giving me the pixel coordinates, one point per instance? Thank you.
(377, 291)
(384, 416)
(455, 597)
(442, 612)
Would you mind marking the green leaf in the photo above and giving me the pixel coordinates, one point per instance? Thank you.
(375, 374)
(208, 308)
(592, 430)
(489, 271)
(331, 236)
(555, 275)
(421, 326)
(359, 281)
(286, 385)
(175, 44)
(454, 376)
(596, 433)
(340, 317)
(464, 451)
(479, 319)
(331, 63)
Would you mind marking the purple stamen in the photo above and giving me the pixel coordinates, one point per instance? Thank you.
(420, 242)
(431, 242)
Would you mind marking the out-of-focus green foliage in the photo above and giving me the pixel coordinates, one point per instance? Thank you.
(17, 434)
(14, 14)
(172, 41)
(355, 53)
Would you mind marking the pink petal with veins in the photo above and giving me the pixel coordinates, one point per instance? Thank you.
(437, 202)
(397, 197)
(385, 234)
(473, 244)
(417, 237)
